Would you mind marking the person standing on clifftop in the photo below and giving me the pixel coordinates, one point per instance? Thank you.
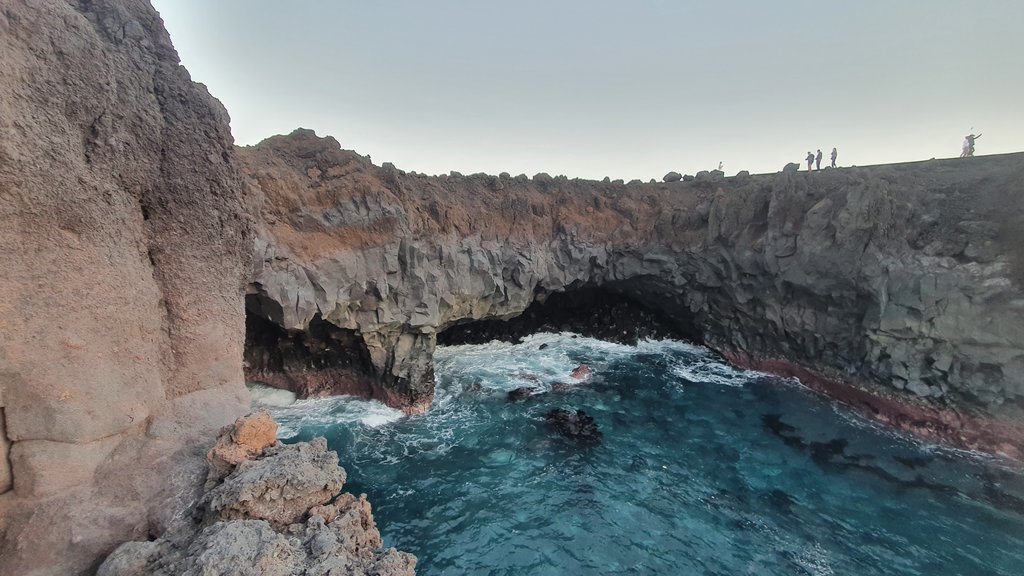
(834, 155)
(817, 160)
(969, 143)
(810, 161)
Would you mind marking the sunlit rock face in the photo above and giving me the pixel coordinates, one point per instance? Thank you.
(904, 281)
(123, 247)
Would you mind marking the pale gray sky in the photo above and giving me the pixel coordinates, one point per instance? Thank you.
(595, 88)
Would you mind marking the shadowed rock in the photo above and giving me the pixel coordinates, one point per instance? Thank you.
(522, 393)
(575, 425)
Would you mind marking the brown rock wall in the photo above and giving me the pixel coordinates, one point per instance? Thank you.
(123, 241)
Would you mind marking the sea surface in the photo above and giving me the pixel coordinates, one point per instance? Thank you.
(702, 469)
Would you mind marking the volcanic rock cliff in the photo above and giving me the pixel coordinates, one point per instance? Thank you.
(124, 244)
(895, 288)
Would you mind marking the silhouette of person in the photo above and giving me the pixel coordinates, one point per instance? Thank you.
(834, 154)
(817, 160)
(810, 161)
(970, 143)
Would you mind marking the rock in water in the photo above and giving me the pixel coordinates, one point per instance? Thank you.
(522, 393)
(575, 425)
(581, 372)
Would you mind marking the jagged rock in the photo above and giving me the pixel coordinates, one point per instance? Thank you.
(244, 440)
(672, 177)
(580, 372)
(270, 516)
(575, 425)
(280, 487)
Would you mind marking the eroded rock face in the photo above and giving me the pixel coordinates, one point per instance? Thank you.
(903, 280)
(244, 440)
(279, 487)
(278, 512)
(123, 244)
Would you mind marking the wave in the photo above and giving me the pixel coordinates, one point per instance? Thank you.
(320, 413)
(539, 361)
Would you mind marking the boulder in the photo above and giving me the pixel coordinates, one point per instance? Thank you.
(244, 440)
(279, 487)
(269, 516)
(672, 177)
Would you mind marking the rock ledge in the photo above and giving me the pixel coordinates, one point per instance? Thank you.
(276, 512)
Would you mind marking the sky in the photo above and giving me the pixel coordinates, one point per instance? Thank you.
(595, 88)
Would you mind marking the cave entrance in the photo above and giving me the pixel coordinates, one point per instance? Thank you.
(622, 311)
(323, 360)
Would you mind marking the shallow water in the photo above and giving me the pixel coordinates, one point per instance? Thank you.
(703, 469)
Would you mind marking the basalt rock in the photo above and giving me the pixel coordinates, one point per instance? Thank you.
(904, 281)
(575, 425)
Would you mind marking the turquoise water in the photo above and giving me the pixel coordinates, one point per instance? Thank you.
(703, 469)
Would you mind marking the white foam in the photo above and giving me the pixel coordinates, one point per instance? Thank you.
(497, 367)
(269, 396)
(327, 412)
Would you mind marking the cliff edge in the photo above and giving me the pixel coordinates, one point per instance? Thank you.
(895, 288)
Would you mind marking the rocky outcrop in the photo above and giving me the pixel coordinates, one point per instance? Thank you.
(123, 243)
(901, 281)
(278, 511)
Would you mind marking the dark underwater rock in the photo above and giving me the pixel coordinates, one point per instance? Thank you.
(522, 393)
(575, 425)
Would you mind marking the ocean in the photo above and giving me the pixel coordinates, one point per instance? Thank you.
(700, 469)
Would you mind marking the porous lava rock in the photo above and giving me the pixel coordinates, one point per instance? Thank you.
(279, 487)
(244, 440)
(279, 512)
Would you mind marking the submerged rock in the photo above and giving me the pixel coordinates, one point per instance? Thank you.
(575, 425)
(522, 393)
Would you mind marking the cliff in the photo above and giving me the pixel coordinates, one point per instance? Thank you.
(896, 288)
(126, 241)
(124, 244)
